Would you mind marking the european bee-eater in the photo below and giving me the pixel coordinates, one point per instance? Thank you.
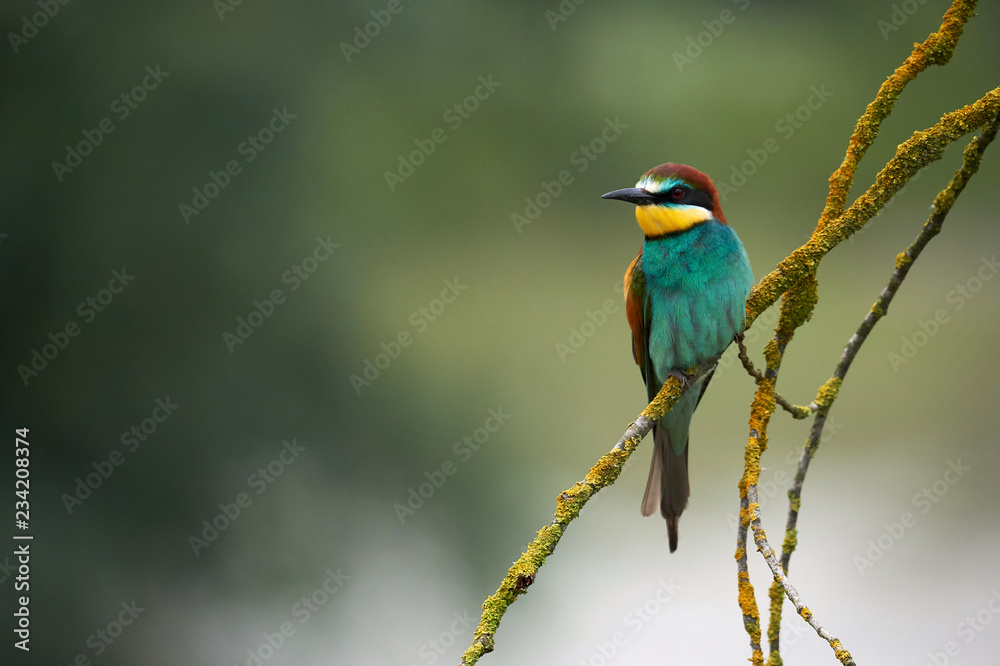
(685, 298)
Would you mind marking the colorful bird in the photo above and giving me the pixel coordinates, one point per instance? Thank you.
(685, 298)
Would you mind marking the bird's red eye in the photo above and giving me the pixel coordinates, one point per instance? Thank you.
(677, 193)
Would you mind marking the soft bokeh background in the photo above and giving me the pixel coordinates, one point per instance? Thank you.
(407, 588)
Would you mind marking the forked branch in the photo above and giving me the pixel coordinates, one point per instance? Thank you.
(793, 280)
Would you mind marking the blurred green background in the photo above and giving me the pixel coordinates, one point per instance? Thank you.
(406, 582)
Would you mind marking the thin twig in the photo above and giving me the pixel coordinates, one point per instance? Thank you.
(747, 600)
(797, 411)
(790, 317)
(781, 578)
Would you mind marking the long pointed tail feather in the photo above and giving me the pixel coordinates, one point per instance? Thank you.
(675, 490)
(667, 486)
(651, 498)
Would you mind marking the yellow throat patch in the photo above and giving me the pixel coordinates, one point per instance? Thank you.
(659, 220)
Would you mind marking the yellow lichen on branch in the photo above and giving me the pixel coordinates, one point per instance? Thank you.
(827, 393)
(777, 596)
(751, 616)
(937, 49)
(795, 278)
(915, 153)
(760, 413)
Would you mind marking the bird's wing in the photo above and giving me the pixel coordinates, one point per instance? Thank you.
(637, 312)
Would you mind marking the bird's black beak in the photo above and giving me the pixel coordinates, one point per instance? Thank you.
(638, 196)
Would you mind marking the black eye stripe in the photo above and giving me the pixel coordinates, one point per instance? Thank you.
(686, 195)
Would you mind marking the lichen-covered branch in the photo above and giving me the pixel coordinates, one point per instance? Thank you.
(937, 49)
(606, 471)
(945, 199)
(920, 150)
(760, 413)
(781, 579)
(568, 505)
(790, 317)
(972, 157)
(795, 281)
(797, 411)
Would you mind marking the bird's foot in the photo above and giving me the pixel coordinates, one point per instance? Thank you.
(682, 377)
